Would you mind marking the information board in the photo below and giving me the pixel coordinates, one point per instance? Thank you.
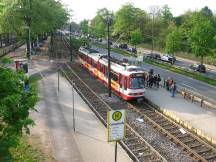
(116, 125)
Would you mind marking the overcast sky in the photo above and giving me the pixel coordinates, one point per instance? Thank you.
(86, 9)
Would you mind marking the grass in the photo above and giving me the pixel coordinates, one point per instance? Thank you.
(22, 152)
(117, 50)
(183, 72)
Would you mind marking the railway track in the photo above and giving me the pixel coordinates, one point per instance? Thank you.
(193, 145)
(138, 149)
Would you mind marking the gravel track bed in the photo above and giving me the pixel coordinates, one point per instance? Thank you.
(164, 146)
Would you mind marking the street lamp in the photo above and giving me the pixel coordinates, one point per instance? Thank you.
(152, 32)
(108, 18)
(71, 57)
(27, 22)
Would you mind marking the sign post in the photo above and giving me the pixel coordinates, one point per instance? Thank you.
(116, 124)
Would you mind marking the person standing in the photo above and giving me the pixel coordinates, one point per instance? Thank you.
(173, 89)
(158, 80)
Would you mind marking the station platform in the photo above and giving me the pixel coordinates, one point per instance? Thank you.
(191, 115)
(54, 124)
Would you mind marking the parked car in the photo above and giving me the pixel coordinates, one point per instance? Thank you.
(131, 49)
(154, 56)
(123, 46)
(168, 58)
(198, 67)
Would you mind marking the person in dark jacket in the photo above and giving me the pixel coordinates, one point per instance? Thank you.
(158, 80)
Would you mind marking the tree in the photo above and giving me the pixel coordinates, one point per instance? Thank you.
(173, 41)
(207, 12)
(84, 26)
(136, 37)
(42, 16)
(201, 36)
(99, 24)
(166, 14)
(127, 19)
(15, 104)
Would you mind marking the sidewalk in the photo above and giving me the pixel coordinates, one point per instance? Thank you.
(54, 121)
(202, 119)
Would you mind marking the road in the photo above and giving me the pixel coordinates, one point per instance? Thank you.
(189, 83)
(185, 63)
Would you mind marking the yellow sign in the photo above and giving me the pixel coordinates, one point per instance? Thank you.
(116, 115)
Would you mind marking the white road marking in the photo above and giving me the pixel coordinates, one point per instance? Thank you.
(189, 86)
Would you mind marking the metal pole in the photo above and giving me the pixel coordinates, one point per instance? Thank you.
(116, 151)
(108, 45)
(30, 43)
(73, 106)
(58, 80)
(70, 44)
(152, 48)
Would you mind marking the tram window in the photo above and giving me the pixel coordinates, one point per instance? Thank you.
(101, 67)
(125, 83)
(106, 71)
(114, 76)
(94, 64)
(120, 80)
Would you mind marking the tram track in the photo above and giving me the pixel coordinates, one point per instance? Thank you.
(138, 149)
(193, 145)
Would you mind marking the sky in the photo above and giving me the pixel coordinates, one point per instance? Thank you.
(86, 9)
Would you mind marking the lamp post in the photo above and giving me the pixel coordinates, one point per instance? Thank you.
(28, 30)
(152, 32)
(108, 21)
(71, 57)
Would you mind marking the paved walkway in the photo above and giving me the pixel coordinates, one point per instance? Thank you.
(201, 118)
(88, 143)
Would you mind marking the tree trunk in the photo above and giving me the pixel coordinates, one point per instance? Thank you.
(202, 60)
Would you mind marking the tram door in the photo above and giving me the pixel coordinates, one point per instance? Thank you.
(122, 84)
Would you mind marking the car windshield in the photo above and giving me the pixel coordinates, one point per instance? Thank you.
(137, 83)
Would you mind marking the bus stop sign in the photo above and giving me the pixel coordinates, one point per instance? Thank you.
(116, 121)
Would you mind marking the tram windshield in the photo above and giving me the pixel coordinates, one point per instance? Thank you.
(137, 83)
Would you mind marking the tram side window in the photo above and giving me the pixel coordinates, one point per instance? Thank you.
(94, 64)
(120, 80)
(106, 71)
(125, 83)
(101, 67)
(114, 76)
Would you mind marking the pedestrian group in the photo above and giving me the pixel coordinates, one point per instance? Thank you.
(155, 79)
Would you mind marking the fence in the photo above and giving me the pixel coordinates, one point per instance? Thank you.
(6, 50)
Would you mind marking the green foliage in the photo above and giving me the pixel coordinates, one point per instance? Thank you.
(136, 37)
(173, 41)
(98, 24)
(21, 152)
(84, 26)
(43, 16)
(76, 43)
(201, 36)
(127, 19)
(15, 104)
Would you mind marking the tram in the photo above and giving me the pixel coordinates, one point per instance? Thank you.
(128, 82)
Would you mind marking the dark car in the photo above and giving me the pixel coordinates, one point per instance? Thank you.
(198, 67)
(154, 56)
(123, 46)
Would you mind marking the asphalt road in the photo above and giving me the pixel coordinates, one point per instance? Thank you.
(189, 83)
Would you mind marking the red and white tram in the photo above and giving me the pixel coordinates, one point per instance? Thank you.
(127, 81)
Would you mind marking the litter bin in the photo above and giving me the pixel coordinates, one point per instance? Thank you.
(21, 64)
